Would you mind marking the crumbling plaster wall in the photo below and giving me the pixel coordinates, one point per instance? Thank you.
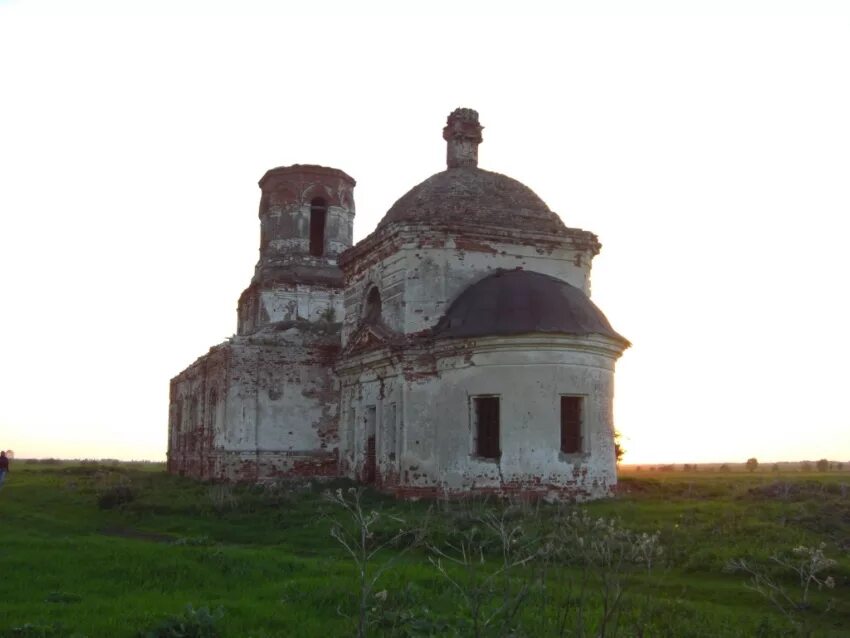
(196, 413)
(372, 393)
(293, 302)
(529, 376)
(289, 301)
(435, 276)
(420, 272)
(389, 276)
(285, 217)
(276, 411)
(425, 422)
(281, 402)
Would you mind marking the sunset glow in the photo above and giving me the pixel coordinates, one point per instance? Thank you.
(709, 150)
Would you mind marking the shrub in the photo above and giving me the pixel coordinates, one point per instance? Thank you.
(32, 630)
(619, 450)
(192, 623)
(222, 497)
(114, 496)
(62, 597)
(196, 541)
(50, 461)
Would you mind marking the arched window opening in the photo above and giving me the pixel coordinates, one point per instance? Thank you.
(212, 411)
(193, 413)
(372, 313)
(318, 214)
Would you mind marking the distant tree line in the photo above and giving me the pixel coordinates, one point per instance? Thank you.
(751, 465)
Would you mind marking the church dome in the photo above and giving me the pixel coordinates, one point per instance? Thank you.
(472, 195)
(512, 302)
(464, 193)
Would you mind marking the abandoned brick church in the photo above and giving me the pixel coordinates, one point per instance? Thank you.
(453, 350)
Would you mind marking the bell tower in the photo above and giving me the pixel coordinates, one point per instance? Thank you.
(306, 221)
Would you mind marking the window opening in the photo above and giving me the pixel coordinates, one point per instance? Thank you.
(318, 214)
(213, 410)
(373, 306)
(193, 413)
(487, 427)
(571, 418)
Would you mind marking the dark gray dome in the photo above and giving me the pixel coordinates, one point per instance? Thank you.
(511, 302)
(474, 196)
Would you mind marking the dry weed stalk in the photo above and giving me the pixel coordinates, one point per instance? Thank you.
(808, 564)
(358, 539)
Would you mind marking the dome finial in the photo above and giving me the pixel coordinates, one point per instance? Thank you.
(463, 135)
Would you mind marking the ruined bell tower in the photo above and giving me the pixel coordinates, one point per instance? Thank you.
(263, 404)
(306, 221)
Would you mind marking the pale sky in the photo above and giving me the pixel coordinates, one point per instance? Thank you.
(706, 143)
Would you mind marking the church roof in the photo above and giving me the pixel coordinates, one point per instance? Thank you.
(464, 193)
(511, 302)
(471, 195)
(273, 176)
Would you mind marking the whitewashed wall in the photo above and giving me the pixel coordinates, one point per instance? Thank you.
(432, 431)
(418, 281)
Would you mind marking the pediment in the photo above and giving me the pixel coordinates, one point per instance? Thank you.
(369, 336)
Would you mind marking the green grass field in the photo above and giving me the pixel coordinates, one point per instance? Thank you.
(261, 561)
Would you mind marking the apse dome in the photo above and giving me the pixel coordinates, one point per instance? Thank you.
(521, 302)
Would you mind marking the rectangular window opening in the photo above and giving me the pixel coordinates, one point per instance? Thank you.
(571, 422)
(487, 427)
